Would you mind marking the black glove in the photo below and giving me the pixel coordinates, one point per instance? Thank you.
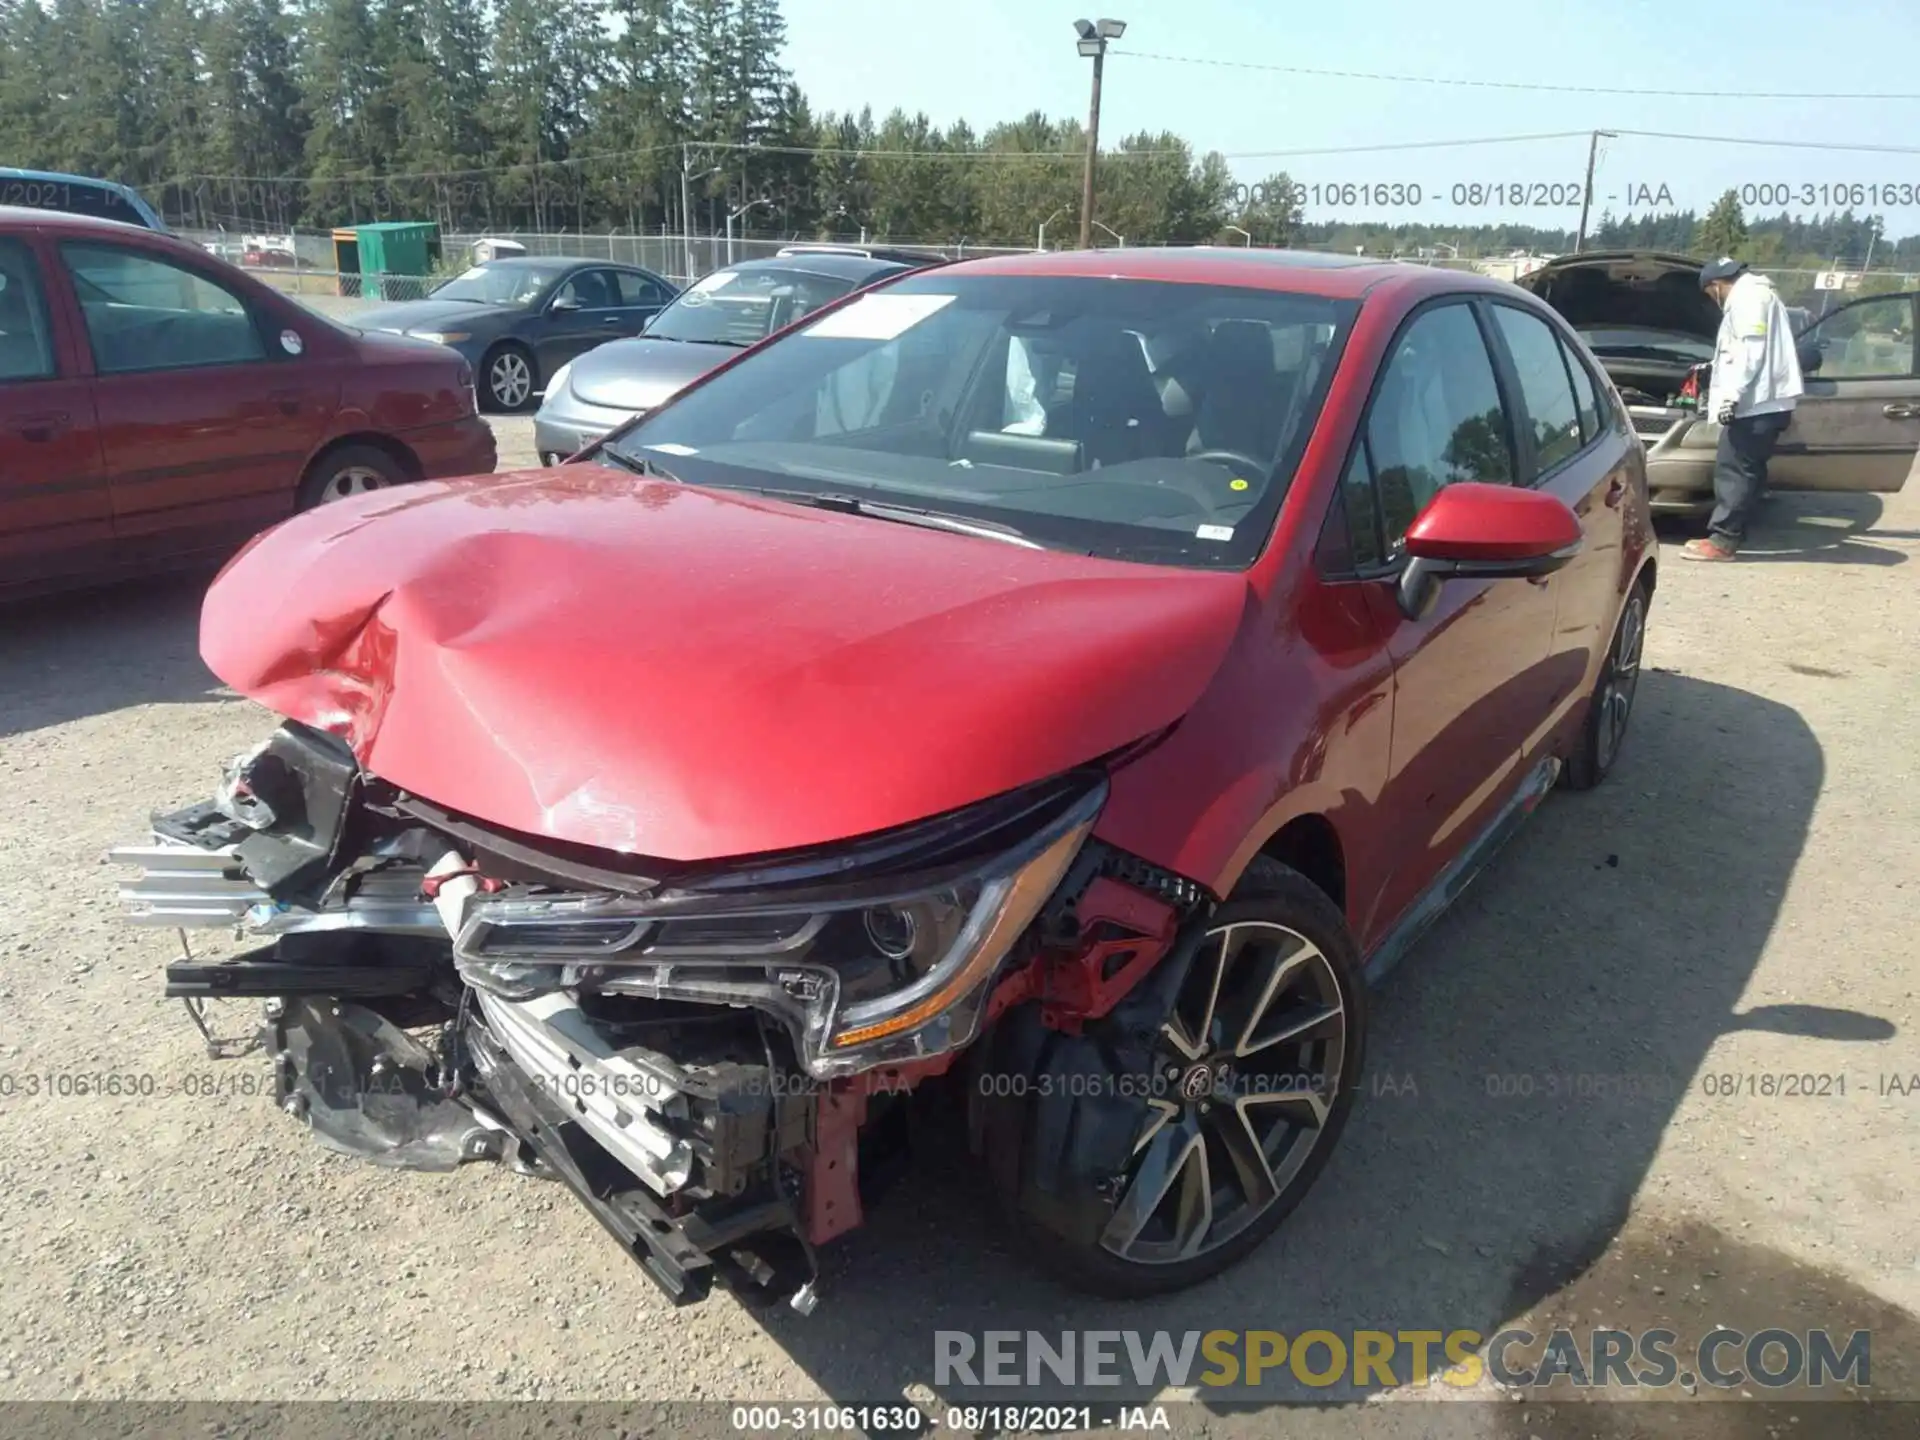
(1724, 414)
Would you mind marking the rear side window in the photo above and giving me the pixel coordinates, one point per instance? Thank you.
(146, 313)
(26, 342)
(1544, 385)
(1436, 417)
(638, 290)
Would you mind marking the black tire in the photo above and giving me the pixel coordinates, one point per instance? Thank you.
(346, 471)
(509, 378)
(1052, 1136)
(1610, 706)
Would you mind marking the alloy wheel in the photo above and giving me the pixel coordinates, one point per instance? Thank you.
(352, 480)
(1622, 679)
(510, 379)
(1248, 1069)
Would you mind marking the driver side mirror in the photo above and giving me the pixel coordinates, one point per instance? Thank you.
(563, 303)
(1475, 531)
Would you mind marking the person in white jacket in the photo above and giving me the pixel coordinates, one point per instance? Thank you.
(1755, 385)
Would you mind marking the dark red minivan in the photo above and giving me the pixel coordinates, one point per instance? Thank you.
(158, 407)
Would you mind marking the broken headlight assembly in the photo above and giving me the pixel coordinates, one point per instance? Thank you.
(864, 964)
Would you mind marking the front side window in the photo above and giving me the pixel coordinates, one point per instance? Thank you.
(739, 307)
(1872, 339)
(26, 340)
(1545, 386)
(1132, 419)
(146, 313)
(1436, 417)
(590, 290)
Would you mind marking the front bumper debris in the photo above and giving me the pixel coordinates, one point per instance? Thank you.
(368, 1088)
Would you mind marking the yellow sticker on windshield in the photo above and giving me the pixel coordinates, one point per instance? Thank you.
(1236, 484)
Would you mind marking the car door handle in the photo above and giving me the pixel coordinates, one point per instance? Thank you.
(42, 427)
(1901, 410)
(611, 320)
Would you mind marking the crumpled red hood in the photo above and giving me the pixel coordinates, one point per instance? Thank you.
(646, 667)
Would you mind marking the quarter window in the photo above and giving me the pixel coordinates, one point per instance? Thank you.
(145, 313)
(1545, 386)
(1592, 420)
(26, 344)
(1436, 418)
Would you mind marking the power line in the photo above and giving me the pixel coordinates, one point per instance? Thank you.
(1399, 145)
(1531, 85)
(1775, 144)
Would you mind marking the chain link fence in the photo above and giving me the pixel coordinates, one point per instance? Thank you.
(302, 262)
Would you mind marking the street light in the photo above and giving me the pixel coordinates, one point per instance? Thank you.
(687, 177)
(1238, 231)
(734, 215)
(1041, 244)
(1094, 35)
(1118, 238)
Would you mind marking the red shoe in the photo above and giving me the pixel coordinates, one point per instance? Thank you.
(1708, 549)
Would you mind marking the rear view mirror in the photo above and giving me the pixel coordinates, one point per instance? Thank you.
(1475, 531)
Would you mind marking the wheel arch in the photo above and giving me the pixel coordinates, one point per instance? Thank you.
(1310, 844)
(399, 452)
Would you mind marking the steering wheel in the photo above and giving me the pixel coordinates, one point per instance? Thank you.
(1242, 463)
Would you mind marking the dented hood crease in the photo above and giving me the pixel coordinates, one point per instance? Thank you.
(646, 667)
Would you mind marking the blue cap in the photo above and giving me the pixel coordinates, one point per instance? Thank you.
(1725, 268)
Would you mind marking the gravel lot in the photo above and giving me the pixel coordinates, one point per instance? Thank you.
(1738, 901)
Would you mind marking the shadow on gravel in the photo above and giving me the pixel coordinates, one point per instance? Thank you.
(67, 657)
(1525, 1062)
(1820, 527)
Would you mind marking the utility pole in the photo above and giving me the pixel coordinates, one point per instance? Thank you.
(1093, 149)
(1586, 196)
(1094, 36)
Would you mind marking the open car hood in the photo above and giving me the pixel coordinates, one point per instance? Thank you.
(1643, 289)
(650, 668)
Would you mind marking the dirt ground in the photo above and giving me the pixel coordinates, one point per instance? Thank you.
(1737, 903)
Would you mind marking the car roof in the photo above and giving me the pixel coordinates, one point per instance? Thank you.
(130, 197)
(12, 216)
(833, 264)
(1301, 272)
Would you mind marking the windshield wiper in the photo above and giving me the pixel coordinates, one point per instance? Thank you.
(637, 464)
(901, 514)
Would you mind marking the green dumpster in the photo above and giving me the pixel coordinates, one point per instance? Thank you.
(387, 261)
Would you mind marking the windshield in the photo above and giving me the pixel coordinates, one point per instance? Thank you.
(1124, 418)
(497, 284)
(1640, 340)
(738, 307)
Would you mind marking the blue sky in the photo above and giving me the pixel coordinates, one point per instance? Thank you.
(996, 59)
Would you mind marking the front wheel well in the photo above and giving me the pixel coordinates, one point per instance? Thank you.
(385, 444)
(1310, 845)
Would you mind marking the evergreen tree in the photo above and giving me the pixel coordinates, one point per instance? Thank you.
(1724, 231)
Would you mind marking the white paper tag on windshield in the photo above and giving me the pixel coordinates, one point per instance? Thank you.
(710, 282)
(1214, 532)
(877, 317)
(669, 448)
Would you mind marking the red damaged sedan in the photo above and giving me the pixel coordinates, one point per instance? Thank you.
(1064, 682)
